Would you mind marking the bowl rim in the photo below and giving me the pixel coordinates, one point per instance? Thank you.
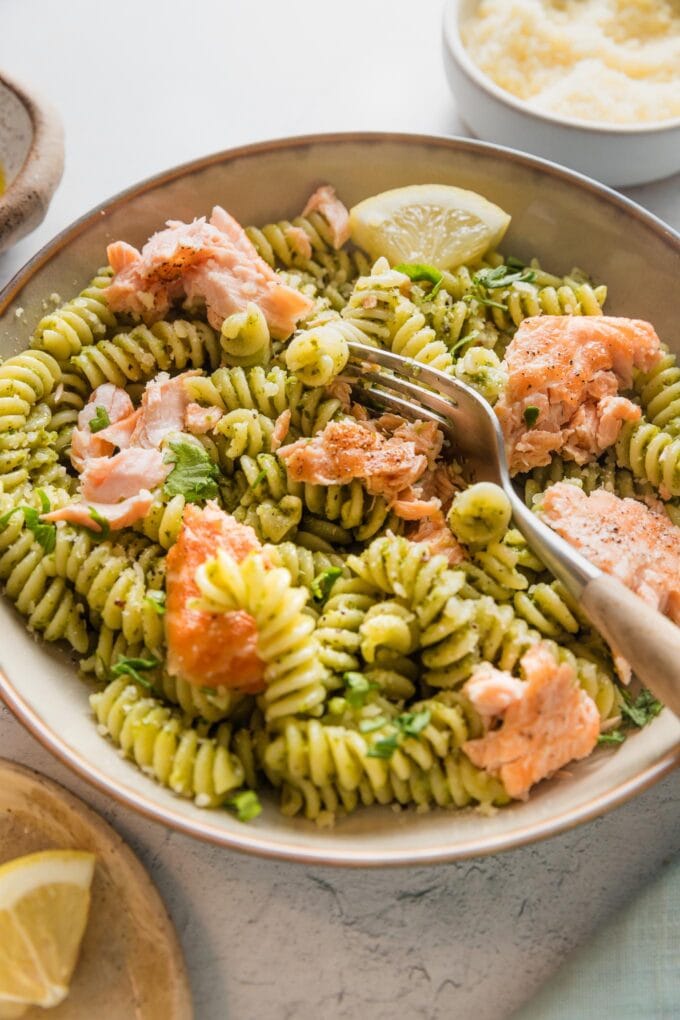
(42, 169)
(452, 19)
(248, 840)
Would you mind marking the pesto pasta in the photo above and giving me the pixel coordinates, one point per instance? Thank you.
(269, 586)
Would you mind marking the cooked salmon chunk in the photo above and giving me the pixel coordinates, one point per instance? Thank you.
(564, 376)
(112, 479)
(210, 260)
(345, 450)
(108, 403)
(626, 538)
(163, 409)
(332, 209)
(209, 649)
(115, 515)
(550, 723)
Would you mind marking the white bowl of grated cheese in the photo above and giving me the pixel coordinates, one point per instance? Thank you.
(558, 81)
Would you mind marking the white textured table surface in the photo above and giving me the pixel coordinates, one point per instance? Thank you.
(142, 86)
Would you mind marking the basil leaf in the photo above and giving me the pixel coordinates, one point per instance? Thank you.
(530, 415)
(369, 725)
(358, 687)
(100, 420)
(104, 526)
(44, 501)
(45, 533)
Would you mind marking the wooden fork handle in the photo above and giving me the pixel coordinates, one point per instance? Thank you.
(645, 638)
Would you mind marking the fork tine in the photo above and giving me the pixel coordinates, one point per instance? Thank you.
(409, 369)
(439, 405)
(375, 397)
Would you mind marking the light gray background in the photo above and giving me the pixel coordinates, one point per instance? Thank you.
(142, 85)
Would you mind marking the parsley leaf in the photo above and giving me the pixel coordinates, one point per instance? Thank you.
(530, 415)
(104, 527)
(413, 723)
(194, 474)
(419, 271)
(131, 667)
(246, 805)
(358, 687)
(323, 582)
(100, 420)
(641, 710)
(45, 534)
(44, 501)
(486, 280)
(384, 748)
(156, 599)
(612, 737)
(259, 477)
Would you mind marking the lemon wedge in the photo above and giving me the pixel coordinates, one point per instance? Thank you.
(44, 903)
(431, 223)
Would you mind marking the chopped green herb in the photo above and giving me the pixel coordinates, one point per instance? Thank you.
(246, 805)
(45, 534)
(530, 415)
(514, 263)
(486, 280)
(464, 340)
(131, 667)
(641, 710)
(612, 737)
(323, 582)
(413, 723)
(100, 420)
(259, 477)
(44, 501)
(419, 271)
(104, 527)
(194, 474)
(156, 599)
(384, 748)
(369, 725)
(358, 686)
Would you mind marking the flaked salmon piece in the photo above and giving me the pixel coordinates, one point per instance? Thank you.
(281, 428)
(85, 443)
(564, 374)
(345, 450)
(341, 390)
(410, 508)
(120, 432)
(437, 535)
(117, 515)
(209, 649)
(552, 723)
(636, 543)
(325, 201)
(164, 405)
(492, 690)
(214, 261)
(147, 282)
(425, 436)
(298, 241)
(237, 275)
(111, 479)
(200, 420)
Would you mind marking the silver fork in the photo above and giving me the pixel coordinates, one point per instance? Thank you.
(647, 640)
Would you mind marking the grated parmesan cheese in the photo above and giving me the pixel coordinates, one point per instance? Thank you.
(615, 61)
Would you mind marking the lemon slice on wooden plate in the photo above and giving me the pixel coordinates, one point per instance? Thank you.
(44, 904)
(431, 223)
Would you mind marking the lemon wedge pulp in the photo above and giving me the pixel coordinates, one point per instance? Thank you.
(431, 223)
(44, 904)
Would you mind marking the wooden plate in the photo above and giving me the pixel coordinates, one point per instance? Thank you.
(131, 965)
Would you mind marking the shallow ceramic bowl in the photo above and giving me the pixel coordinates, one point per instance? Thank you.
(31, 158)
(564, 219)
(613, 153)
